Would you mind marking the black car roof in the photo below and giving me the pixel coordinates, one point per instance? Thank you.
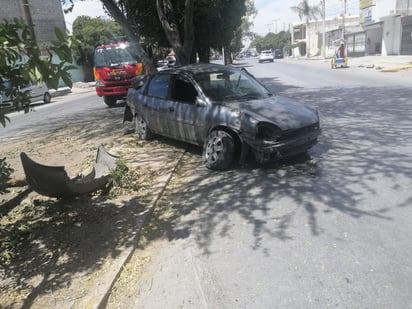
(201, 68)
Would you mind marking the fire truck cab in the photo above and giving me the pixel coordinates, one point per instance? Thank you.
(115, 65)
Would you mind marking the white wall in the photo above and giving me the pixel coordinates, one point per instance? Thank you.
(384, 8)
(391, 37)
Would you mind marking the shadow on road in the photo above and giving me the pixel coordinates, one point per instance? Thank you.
(365, 145)
(362, 159)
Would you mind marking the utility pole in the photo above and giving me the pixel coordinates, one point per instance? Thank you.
(323, 29)
(29, 20)
(276, 24)
(343, 21)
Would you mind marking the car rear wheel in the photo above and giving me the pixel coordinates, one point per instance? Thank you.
(47, 98)
(218, 150)
(142, 129)
(110, 101)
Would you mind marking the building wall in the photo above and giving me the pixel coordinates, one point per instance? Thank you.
(46, 15)
(404, 7)
(391, 35)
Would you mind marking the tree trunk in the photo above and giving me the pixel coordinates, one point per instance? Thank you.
(227, 54)
(119, 17)
(182, 48)
(88, 74)
(307, 39)
(204, 54)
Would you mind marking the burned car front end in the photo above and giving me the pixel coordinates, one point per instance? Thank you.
(287, 132)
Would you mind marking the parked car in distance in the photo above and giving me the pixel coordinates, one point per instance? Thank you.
(36, 93)
(278, 53)
(266, 55)
(222, 109)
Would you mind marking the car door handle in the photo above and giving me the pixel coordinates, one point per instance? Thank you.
(171, 109)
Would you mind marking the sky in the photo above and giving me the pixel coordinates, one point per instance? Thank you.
(273, 15)
(92, 8)
(276, 15)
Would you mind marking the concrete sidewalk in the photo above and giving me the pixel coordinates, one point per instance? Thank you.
(77, 87)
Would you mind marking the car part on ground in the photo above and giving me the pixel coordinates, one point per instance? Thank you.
(53, 181)
(225, 110)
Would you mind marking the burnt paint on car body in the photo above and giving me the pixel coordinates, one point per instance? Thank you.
(272, 126)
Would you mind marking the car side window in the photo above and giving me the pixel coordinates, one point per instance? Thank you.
(183, 91)
(159, 86)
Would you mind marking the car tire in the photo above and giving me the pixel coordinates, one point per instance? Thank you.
(47, 98)
(218, 150)
(142, 129)
(110, 101)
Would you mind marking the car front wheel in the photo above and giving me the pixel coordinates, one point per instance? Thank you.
(218, 150)
(142, 129)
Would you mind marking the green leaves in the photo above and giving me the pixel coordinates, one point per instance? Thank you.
(22, 60)
(89, 32)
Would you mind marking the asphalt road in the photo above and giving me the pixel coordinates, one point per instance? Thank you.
(62, 111)
(331, 231)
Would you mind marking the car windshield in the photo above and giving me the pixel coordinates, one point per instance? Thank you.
(230, 85)
(112, 56)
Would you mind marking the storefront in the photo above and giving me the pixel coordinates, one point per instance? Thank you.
(355, 44)
(373, 39)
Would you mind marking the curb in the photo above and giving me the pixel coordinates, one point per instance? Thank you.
(98, 298)
(397, 68)
(60, 92)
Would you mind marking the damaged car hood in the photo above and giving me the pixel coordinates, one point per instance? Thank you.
(284, 112)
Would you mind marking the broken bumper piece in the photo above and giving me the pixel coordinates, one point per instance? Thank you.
(53, 181)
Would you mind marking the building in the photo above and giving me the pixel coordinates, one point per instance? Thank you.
(44, 14)
(334, 28)
(383, 27)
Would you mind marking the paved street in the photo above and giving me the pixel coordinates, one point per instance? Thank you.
(330, 231)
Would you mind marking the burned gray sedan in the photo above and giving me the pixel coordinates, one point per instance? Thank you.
(225, 110)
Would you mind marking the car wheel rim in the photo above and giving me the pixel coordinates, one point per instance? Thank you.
(141, 126)
(214, 148)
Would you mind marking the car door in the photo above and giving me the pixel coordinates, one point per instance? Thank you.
(183, 118)
(155, 105)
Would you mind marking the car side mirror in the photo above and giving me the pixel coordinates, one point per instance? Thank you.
(200, 101)
(138, 81)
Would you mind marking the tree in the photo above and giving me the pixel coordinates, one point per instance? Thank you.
(179, 24)
(21, 60)
(87, 34)
(272, 41)
(304, 10)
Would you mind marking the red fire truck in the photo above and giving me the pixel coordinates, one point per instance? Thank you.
(115, 65)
